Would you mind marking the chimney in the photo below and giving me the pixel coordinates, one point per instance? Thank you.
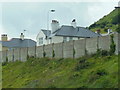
(73, 23)
(98, 31)
(109, 31)
(22, 36)
(55, 25)
(4, 37)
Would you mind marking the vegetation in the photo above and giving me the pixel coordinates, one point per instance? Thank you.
(110, 21)
(95, 71)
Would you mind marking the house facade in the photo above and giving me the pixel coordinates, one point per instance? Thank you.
(13, 43)
(63, 33)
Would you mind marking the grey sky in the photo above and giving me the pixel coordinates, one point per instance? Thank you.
(33, 16)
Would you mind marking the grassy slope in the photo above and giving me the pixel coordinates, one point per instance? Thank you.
(95, 72)
(108, 18)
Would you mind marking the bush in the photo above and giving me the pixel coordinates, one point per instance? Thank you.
(112, 46)
(118, 29)
(53, 53)
(44, 54)
(102, 53)
(73, 53)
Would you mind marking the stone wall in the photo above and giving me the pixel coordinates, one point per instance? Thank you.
(91, 45)
(48, 49)
(71, 49)
(58, 50)
(68, 49)
(79, 47)
(10, 55)
(16, 54)
(24, 54)
(39, 51)
(31, 51)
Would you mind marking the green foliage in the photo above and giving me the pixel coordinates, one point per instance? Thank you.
(44, 54)
(112, 46)
(6, 59)
(84, 72)
(118, 29)
(73, 53)
(102, 53)
(53, 53)
(110, 21)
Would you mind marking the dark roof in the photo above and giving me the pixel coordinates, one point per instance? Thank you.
(46, 32)
(74, 32)
(17, 43)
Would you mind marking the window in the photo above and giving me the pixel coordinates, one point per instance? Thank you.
(70, 38)
(40, 41)
(64, 39)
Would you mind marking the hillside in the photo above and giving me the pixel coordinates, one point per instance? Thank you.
(85, 72)
(110, 21)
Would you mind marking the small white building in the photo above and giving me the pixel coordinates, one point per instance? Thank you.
(63, 33)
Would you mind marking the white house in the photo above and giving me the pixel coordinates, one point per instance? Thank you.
(63, 33)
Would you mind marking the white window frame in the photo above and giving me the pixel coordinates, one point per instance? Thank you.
(64, 39)
(70, 38)
(41, 41)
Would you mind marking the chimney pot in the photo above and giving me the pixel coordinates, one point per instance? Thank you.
(4, 37)
(73, 23)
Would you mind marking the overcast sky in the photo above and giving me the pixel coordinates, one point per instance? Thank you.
(32, 16)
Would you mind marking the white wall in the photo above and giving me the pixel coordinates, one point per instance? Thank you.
(57, 39)
(40, 35)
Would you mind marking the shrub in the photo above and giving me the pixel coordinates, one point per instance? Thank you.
(44, 54)
(102, 52)
(73, 53)
(101, 72)
(53, 53)
(112, 46)
(118, 29)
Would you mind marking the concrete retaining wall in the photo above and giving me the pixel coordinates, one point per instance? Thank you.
(71, 49)
(68, 49)
(17, 54)
(24, 53)
(58, 49)
(39, 51)
(91, 45)
(4, 56)
(10, 55)
(0, 56)
(117, 42)
(104, 43)
(48, 49)
(31, 51)
(79, 47)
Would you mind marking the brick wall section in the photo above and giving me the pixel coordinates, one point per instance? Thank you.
(58, 49)
(68, 49)
(79, 47)
(10, 55)
(104, 42)
(39, 51)
(24, 53)
(48, 50)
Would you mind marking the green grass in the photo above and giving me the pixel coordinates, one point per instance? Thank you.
(84, 72)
